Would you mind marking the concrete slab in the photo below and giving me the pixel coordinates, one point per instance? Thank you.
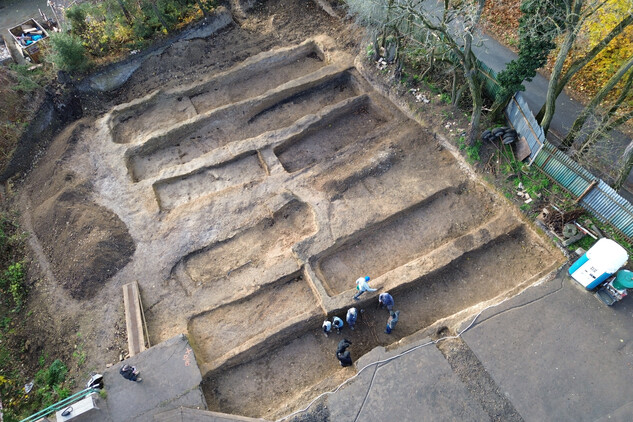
(171, 379)
(558, 353)
(417, 386)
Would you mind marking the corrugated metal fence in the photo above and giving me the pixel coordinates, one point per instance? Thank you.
(522, 119)
(593, 193)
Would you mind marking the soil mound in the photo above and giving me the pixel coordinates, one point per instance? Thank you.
(85, 242)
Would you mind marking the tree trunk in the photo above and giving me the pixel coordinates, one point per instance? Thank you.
(128, 17)
(159, 15)
(571, 27)
(471, 73)
(475, 116)
(498, 106)
(625, 167)
(597, 99)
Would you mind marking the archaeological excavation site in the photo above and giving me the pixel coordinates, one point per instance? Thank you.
(245, 180)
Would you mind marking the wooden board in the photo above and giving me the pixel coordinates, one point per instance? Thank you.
(522, 149)
(133, 318)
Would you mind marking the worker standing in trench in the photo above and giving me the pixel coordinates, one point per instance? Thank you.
(351, 317)
(362, 286)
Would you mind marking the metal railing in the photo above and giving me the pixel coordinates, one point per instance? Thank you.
(60, 405)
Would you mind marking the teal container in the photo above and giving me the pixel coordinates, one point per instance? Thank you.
(623, 280)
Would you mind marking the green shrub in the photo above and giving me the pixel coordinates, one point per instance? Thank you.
(27, 80)
(472, 151)
(77, 16)
(13, 280)
(68, 52)
(56, 373)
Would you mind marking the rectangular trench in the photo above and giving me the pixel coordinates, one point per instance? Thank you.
(248, 79)
(240, 171)
(253, 80)
(217, 333)
(323, 140)
(305, 362)
(238, 122)
(403, 237)
(253, 249)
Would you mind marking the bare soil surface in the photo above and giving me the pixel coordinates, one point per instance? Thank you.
(245, 180)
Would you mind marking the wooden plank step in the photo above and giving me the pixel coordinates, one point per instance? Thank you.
(133, 318)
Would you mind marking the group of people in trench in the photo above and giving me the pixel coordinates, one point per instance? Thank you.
(385, 301)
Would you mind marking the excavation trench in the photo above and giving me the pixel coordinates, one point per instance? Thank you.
(403, 237)
(275, 110)
(242, 170)
(219, 332)
(304, 365)
(252, 250)
(324, 139)
(250, 79)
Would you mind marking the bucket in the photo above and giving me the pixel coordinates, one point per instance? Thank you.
(623, 280)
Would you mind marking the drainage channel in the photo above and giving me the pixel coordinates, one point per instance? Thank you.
(266, 386)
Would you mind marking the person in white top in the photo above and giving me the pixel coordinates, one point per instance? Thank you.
(327, 327)
(351, 317)
(362, 287)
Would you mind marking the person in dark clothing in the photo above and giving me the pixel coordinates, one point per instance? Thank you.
(392, 321)
(130, 373)
(342, 354)
(385, 300)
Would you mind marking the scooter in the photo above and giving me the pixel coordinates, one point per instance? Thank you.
(615, 288)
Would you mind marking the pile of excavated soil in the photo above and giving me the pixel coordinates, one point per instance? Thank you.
(84, 242)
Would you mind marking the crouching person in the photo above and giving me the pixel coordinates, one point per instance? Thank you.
(342, 354)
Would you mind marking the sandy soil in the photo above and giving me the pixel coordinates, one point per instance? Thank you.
(247, 194)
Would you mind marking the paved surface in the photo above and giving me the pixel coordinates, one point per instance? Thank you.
(559, 354)
(555, 351)
(419, 386)
(171, 379)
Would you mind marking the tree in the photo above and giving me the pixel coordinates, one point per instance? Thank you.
(452, 24)
(458, 19)
(572, 23)
(625, 165)
(577, 13)
(538, 27)
(610, 120)
(595, 101)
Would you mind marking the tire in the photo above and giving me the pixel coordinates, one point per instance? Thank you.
(509, 140)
